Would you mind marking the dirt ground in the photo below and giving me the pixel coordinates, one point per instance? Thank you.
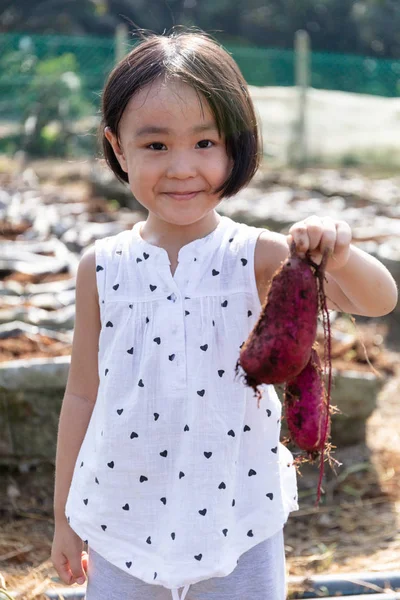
(355, 528)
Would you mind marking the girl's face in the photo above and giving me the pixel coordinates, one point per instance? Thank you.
(172, 152)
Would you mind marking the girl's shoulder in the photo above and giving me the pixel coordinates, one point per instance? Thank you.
(86, 274)
(270, 251)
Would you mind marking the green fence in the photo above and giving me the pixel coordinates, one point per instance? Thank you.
(93, 57)
(45, 78)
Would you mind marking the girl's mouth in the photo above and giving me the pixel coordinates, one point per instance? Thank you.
(182, 195)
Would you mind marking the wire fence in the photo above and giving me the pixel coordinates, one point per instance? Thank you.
(48, 78)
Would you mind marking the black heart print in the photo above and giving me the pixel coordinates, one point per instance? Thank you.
(106, 371)
(143, 478)
(118, 252)
(156, 415)
(198, 556)
(201, 392)
(181, 474)
(214, 272)
(145, 256)
(116, 286)
(171, 357)
(110, 464)
(268, 412)
(231, 433)
(204, 348)
(222, 486)
(99, 268)
(246, 428)
(96, 480)
(270, 496)
(208, 454)
(129, 564)
(244, 261)
(164, 501)
(249, 313)
(164, 453)
(187, 313)
(203, 512)
(104, 527)
(250, 533)
(274, 450)
(126, 507)
(130, 351)
(148, 541)
(141, 384)
(153, 287)
(109, 324)
(157, 340)
(252, 472)
(86, 500)
(224, 304)
(186, 428)
(173, 535)
(120, 411)
(225, 531)
(134, 435)
(81, 464)
(221, 372)
(233, 502)
(138, 260)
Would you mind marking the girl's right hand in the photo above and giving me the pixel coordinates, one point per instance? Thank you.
(67, 555)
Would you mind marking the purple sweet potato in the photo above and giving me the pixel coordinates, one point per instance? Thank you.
(307, 412)
(306, 407)
(279, 346)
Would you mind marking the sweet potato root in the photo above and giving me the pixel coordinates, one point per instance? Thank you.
(280, 350)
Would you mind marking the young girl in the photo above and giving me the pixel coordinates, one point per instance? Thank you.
(165, 466)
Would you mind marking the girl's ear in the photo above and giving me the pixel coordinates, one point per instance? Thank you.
(112, 139)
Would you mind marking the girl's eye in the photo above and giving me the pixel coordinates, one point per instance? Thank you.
(205, 144)
(156, 146)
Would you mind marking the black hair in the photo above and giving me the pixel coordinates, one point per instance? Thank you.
(197, 60)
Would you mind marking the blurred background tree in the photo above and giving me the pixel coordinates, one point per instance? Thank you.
(56, 54)
(369, 27)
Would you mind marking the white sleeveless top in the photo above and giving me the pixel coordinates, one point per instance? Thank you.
(179, 472)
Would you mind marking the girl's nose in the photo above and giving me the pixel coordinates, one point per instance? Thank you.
(181, 166)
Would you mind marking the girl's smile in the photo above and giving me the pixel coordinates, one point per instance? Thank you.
(182, 195)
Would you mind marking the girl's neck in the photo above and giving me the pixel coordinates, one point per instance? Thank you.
(173, 237)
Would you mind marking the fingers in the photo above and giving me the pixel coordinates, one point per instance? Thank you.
(77, 569)
(71, 570)
(316, 233)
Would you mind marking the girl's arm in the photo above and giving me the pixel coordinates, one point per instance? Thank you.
(356, 282)
(82, 385)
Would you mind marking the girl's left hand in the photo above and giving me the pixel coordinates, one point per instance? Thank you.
(315, 234)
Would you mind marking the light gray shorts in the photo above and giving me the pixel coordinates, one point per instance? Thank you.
(259, 575)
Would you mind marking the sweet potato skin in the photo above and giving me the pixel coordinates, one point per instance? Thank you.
(279, 346)
(306, 407)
